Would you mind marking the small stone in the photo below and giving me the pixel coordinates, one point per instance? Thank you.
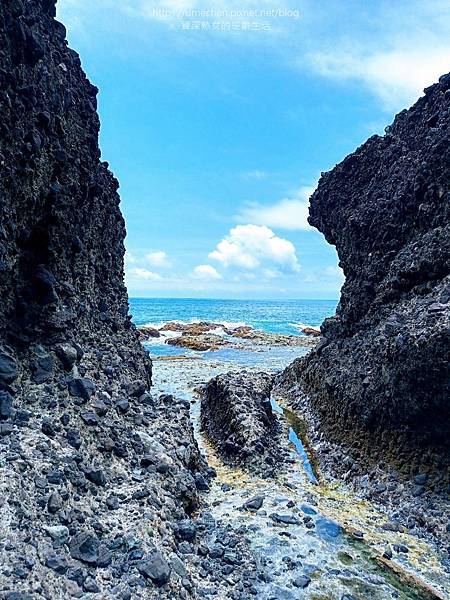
(81, 388)
(201, 484)
(418, 490)
(421, 479)
(387, 553)
(123, 405)
(136, 388)
(87, 547)
(285, 519)
(90, 585)
(73, 438)
(401, 548)
(90, 418)
(96, 475)
(54, 503)
(57, 563)
(100, 407)
(58, 533)
(112, 502)
(302, 582)
(178, 565)
(254, 503)
(186, 530)
(8, 367)
(6, 429)
(5, 405)
(47, 427)
(156, 568)
(67, 354)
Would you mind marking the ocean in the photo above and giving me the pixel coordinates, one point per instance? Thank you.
(272, 316)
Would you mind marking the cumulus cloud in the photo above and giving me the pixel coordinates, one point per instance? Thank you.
(289, 213)
(394, 49)
(158, 259)
(206, 272)
(396, 76)
(249, 247)
(140, 273)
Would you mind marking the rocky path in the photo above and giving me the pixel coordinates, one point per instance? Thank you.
(296, 537)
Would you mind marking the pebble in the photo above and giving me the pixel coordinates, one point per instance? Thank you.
(301, 582)
(156, 568)
(254, 503)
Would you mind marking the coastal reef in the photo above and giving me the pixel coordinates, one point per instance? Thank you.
(379, 378)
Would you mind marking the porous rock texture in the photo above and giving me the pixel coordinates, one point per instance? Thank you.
(380, 376)
(237, 417)
(96, 475)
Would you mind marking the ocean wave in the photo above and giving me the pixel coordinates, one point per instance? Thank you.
(226, 324)
(301, 326)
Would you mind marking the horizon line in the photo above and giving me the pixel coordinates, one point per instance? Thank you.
(233, 299)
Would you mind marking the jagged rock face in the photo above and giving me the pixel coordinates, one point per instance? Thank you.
(95, 471)
(237, 416)
(383, 363)
(61, 230)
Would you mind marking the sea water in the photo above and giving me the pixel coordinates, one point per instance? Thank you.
(272, 316)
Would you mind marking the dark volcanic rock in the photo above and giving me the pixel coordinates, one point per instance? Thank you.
(75, 496)
(382, 366)
(155, 568)
(237, 416)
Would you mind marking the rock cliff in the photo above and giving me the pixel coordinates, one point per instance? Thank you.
(380, 376)
(96, 473)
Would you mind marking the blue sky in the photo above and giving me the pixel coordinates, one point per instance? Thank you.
(218, 117)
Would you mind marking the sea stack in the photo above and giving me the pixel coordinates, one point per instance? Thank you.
(380, 375)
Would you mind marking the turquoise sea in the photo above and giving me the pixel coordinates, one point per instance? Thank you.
(273, 316)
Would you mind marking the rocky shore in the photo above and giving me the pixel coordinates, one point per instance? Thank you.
(105, 488)
(207, 336)
(375, 390)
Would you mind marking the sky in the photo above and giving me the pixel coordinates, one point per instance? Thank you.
(218, 118)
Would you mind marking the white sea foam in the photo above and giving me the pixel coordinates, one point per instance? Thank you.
(226, 324)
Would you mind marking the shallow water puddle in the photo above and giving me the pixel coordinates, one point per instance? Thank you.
(317, 556)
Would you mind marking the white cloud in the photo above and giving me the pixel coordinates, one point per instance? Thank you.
(396, 76)
(158, 259)
(394, 49)
(249, 247)
(206, 272)
(289, 213)
(140, 273)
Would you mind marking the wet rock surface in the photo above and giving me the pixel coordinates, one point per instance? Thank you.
(237, 416)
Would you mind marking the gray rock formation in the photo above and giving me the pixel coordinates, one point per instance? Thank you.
(95, 472)
(237, 416)
(380, 376)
